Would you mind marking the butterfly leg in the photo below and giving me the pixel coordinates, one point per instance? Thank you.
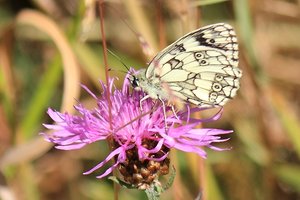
(141, 101)
(174, 112)
(164, 110)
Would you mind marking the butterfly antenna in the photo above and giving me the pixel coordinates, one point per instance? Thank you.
(112, 70)
(119, 59)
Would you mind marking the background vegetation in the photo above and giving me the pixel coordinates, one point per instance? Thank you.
(47, 48)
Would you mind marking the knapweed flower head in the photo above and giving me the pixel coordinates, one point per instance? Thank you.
(139, 138)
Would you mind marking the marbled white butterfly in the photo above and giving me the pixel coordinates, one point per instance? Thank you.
(200, 67)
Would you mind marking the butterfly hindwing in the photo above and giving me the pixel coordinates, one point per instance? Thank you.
(200, 67)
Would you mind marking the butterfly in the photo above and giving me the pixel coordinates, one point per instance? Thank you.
(200, 68)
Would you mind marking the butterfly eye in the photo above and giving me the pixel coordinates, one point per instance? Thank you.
(135, 82)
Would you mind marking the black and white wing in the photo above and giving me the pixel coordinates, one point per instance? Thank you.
(200, 67)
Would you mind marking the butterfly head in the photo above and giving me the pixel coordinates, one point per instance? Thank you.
(138, 80)
(135, 83)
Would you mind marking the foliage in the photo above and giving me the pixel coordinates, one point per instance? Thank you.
(47, 51)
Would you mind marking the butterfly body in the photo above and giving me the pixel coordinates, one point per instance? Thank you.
(200, 68)
(151, 86)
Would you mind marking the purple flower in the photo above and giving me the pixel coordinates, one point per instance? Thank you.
(139, 139)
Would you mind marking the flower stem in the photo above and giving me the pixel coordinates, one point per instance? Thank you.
(110, 142)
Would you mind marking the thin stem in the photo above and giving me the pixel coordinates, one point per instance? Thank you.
(202, 170)
(100, 9)
(202, 179)
(105, 59)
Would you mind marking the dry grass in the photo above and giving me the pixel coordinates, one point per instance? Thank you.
(47, 51)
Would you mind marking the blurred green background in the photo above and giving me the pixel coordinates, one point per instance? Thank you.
(48, 48)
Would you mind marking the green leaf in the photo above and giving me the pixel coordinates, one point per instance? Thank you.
(40, 99)
(156, 189)
(152, 192)
(171, 179)
(121, 183)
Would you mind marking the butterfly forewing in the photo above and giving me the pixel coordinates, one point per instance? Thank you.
(201, 67)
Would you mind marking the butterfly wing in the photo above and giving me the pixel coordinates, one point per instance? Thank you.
(201, 67)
